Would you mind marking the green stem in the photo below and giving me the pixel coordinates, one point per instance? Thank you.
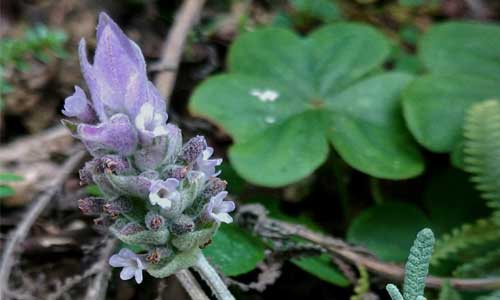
(208, 273)
(341, 181)
(376, 191)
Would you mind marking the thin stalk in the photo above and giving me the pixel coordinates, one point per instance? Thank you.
(376, 191)
(341, 181)
(208, 273)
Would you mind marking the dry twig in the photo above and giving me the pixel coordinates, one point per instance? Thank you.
(20, 233)
(97, 289)
(172, 50)
(191, 286)
(264, 225)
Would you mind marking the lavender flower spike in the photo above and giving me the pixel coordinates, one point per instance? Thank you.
(155, 188)
(218, 210)
(130, 262)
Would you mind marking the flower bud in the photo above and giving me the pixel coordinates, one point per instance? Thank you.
(114, 164)
(86, 173)
(182, 224)
(131, 229)
(158, 253)
(154, 221)
(103, 222)
(137, 186)
(213, 186)
(117, 206)
(193, 149)
(91, 205)
(175, 171)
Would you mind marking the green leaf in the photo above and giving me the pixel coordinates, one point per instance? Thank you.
(285, 96)
(10, 177)
(234, 251)
(373, 138)
(285, 153)
(6, 191)
(434, 107)
(387, 230)
(464, 66)
(462, 48)
(321, 267)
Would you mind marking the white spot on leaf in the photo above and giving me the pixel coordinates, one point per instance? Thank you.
(266, 95)
(270, 119)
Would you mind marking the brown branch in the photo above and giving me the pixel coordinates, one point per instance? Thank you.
(97, 289)
(20, 233)
(172, 50)
(191, 286)
(340, 248)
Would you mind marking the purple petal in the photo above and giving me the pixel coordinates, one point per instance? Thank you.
(127, 273)
(117, 135)
(77, 105)
(220, 197)
(117, 261)
(130, 47)
(171, 184)
(138, 276)
(223, 217)
(90, 79)
(127, 253)
(119, 66)
(227, 206)
(138, 260)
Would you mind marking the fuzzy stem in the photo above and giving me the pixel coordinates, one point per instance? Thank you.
(208, 273)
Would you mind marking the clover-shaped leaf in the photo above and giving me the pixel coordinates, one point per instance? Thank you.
(286, 97)
(464, 63)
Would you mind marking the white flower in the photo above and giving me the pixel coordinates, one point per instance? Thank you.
(205, 164)
(218, 209)
(130, 262)
(150, 123)
(164, 193)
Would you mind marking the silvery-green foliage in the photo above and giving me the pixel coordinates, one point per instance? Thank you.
(158, 194)
(416, 269)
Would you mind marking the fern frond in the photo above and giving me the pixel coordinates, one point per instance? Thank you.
(493, 296)
(417, 266)
(482, 150)
(487, 265)
(469, 235)
(448, 292)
